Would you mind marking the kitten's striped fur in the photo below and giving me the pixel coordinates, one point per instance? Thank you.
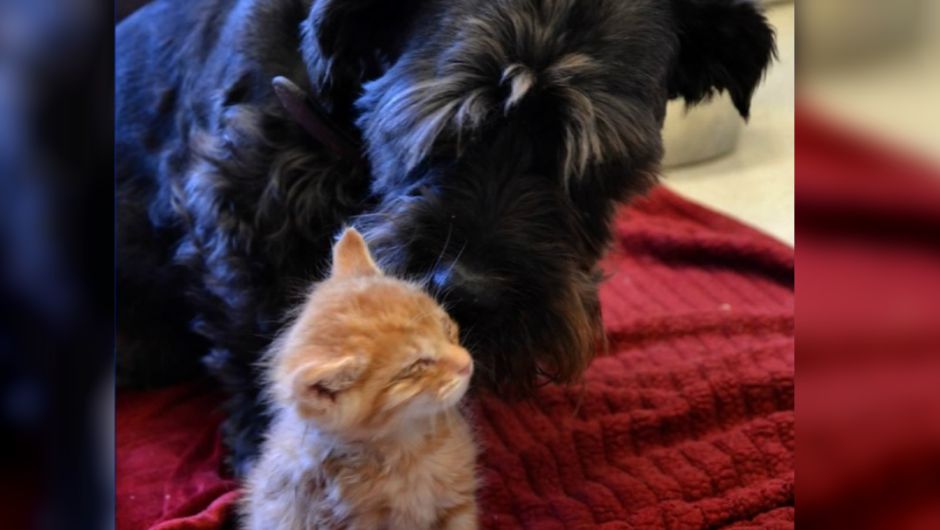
(367, 433)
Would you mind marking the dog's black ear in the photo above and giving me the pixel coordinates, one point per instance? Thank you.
(723, 45)
(348, 42)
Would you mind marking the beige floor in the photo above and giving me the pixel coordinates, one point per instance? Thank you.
(755, 182)
(890, 95)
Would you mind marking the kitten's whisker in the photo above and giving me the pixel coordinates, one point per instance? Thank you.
(457, 258)
(483, 368)
(450, 228)
(438, 291)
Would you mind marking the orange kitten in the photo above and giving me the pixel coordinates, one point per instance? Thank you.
(367, 434)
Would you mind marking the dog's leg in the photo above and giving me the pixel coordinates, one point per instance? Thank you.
(154, 346)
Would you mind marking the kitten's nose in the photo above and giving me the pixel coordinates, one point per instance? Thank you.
(466, 369)
(459, 360)
(466, 289)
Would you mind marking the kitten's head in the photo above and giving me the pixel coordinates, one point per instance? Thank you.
(368, 353)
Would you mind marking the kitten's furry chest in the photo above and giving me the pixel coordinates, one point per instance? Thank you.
(410, 484)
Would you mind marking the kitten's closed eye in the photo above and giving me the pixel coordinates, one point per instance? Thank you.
(416, 367)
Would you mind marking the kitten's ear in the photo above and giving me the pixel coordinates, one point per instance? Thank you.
(316, 385)
(351, 256)
(723, 45)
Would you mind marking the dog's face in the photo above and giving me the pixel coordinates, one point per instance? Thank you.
(504, 249)
(502, 135)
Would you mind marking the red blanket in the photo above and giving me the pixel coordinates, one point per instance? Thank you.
(687, 422)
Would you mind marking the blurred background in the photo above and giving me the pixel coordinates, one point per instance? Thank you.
(868, 274)
(56, 263)
(875, 66)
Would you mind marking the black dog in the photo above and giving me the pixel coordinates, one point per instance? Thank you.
(500, 137)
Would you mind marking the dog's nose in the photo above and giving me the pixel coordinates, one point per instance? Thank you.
(466, 289)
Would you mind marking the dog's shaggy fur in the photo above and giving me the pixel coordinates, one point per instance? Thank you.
(500, 137)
